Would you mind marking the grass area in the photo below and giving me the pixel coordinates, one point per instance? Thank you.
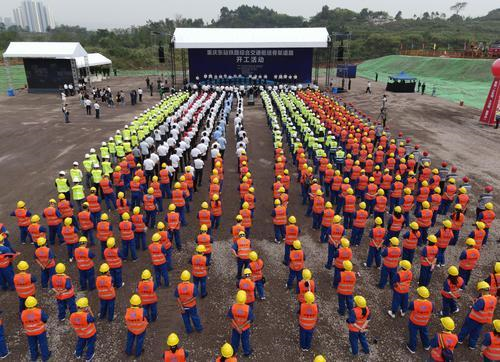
(17, 74)
(455, 79)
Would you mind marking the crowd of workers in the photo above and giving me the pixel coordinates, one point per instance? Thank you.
(348, 170)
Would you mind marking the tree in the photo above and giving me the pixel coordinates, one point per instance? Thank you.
(426, 16)
(458, 7)
(399, 15)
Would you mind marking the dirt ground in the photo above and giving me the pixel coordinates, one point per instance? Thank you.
(36, 144)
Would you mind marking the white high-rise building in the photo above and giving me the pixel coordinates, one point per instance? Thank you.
(33, 16)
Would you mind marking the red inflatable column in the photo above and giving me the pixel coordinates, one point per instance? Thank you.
(491, 104)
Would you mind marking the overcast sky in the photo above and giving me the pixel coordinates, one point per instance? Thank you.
(123, 13)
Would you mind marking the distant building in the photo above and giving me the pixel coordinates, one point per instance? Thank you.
(33, 16)
(8, 21)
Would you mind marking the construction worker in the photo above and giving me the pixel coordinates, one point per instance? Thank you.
(186, 299)
(158, 254)
(241, 316)
(114, 258)
(122, 204)
(337, 233)
(428, 260)
(94, 203)
(174, 352)
(443, 235)
(106, 293)
(23, 220)
(335, 187)
(424, 220)
(390, 263)
(140, 228)
(401, 288)
(481, 313)
(246, 215)
(34, 322)
(451, 292)
(165, 181)
(179, 200)
(462, 198)
(349, 208)
(341, 254)
(308, 318)
(83, 323)
(307, 284)
(174, 226)
(248, 285)
(435, 199)
(357, 322)
(53, 217)
(96, 176)
(24, 283)
(87, 165)
(445, 342)
(127, 235)
(493, 279)
(118, 179)
(371, 194)
(65, 293)
(256, 265)
(44, 257)
(377, 235)
(408, 203)
(6, 270)
(35, 230)
(396, 193)
(449, 194)
(150, 207)
(491, 341)
(204, 217)
(86, 222)
(345, 287)
(394, 225)
(279, 215)
(296, 263)
(478, 234)
(487, 216)
(104, 231)
(359, 224)
(410, 242)
(457, 221)
(62, 184)
(227, 354)
(318, 208)
(292, 232)
(70, 235)
(468, 260)
(136, 326)
(135, 191)
(241, 251)
(380, 205)
(85, 265)
(157, 194)
(326, 222)
(146, 289)
(200, 270)
(421, 311)
(108, 192)
(75, 172)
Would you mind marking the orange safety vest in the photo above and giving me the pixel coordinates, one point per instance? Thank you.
(411, 183)
(423, 194)
(487, 216)
(22, 217)
(178, 356)
(94, 205)
(51, 216)
(485, 316)
(205, 239)
(24, 287)
(135, 186)
(378, 234)
(164, 177)
(397, 223)
(392, 258)
(164, 240)
(425, 220)
(455, 289)
(138, 221)
(256, 268)
(421, 313)
(69, 234)
(243, 248)
(32, 322)
(386, 182)
(105, 289)
(435, 201)
(445, 340)
(204, 218)
(336, 233)
(189, 179)
(214, 189)
(360, 219)
(291, 233)
(327, 219)
(280, 215)
(149, 202)
(59, 284)
(122, 206)
(65, 208)
(178, 198)
(136, 323)
(296, 260)
(250, 199)
(124, 167)
(492, 352)
(216, 208)
(173, 220)
(126, 232)
(380, 203)
(344, 254)
(146, 290)
(106, 186)
(85, 221)
(371, 192)
(112, 258)
(411, 242)
(240, 320)
(42, 255)
(432, 251)
(456, 224)
(449, 192)
(303, 289)
(336, 183)
(350, 203)
(463, 199)
(308, 316)
(248, 286)
(186, 297)
(246, 214)
(360, 319)
(34, 230)
(494, 284)
(405, 278)
(118, 179)
(157, 256)
(347, 282)
(103, 231)
(199, 263)
(445, 235)
(408, 201)
(83, 262)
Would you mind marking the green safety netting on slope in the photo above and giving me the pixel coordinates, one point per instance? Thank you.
(467, 80)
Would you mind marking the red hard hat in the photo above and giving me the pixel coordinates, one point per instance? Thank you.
(417, 146)
(444, 163)
(454, 169)
(400, 134)
(488, 188)
(465, 179)
(426, 153)
(408, 140)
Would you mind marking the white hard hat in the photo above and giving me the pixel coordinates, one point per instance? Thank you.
(103, 143)
(87, 155)
(75, 163)
(96, 165)
(92, 150)
(62, 173)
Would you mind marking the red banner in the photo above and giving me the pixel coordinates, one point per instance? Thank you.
(491, 104)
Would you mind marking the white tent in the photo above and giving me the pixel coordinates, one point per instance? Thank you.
(94, 59)
(224, 38)
(58, 50)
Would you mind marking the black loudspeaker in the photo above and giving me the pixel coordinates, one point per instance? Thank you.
(340, 53)
(161, 54)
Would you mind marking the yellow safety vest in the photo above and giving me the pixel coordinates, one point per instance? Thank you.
(126, 134)
(77, 192)
(96, 176)
(87, 163)
(106, 168)
(76, 174)
(104, 151)
(120, 151)
(93, 158)
(62, 185)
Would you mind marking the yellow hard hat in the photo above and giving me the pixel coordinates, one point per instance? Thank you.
(83, 240)
(470, 242)
(154, 179)
(496, 325)
(462, 190)
(125, 216)
(292, 219)
(245, 205)
(253, 256)
(447, 323)
(121, 195)
(297, 245)
(380, 192)
(136, 210)
(151, 191)
(60, 197)
(21, 204)
(201, 249)
(82, 302)
(336, 219)
(104, 268)
(347, 265)
(378, 220)
(328, 205)
(241, 233)
(52, 201)
(226, 350)
(110, 243)
(394, 241)
(215, 197)
(345, 242)
(480, 225)
(146, 274)
(309, 297)
(239, 218)
(397, 209)
(350, 191)
(423, 292)
(177, 185)
(451, 180)
(453, 271)
(489, 206)
(60, 268)
(405, 264)
(281, 189)
(172, 340)
(252, 189)
(447, 223)
(35, 218)
(414, 225)
(435, 171)
(22, 265)
(185, 276)
(67, 221)
(458, 207)
(241, 297)
(135, 300)
(482, 286)
(30, 302)
(93, 189)
(277, 202)
(425, 183)
(319, 192)
(362, 205)
(425, 205)
(247, 271)
(319, 358)
(497, 267)
(41, 241)
(104, 217)
(156, 237)
(203, 228)
(160, 225)
(407, 191)
(204, 205)
(432, 239)
(306, 274)
(171, 207)
(360, 301)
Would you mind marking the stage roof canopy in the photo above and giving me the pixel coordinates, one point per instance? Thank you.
(224, 38)
(95, 59)
(58, 50)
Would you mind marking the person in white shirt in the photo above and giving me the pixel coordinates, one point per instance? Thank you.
(174, 161)
(149, 166)
(198, 171)
(203, 150)
(162, 152)
(88, 106)
(139, 92)
(97, 109)
(214, 152)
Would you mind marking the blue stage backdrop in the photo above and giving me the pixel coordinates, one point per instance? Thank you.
(293, 61)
